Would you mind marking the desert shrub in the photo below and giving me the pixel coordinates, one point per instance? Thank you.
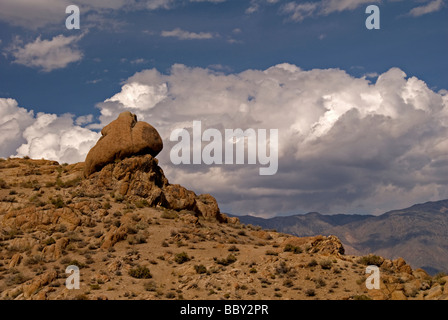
(233, 249)
(181, 257)
(326, 264)
(169, 214)
(282, 268)
(80, 265)
(17, 278)
(310, 293)
(31, 185)
(95, 286)
(150, 286)
(371, 259)
(137, 239)
(292, 248)
(69, 183)
(58, 202)
(288, 283)
(439, 278)
(140, 272)
(320, 283)
(35, 259)
(200, 269)
(170, 295)
(226, 261)
(119, 197)
(141, 203)
(271, 253)
(3, 184)
(312, 263)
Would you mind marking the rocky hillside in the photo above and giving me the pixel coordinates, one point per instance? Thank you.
(136, 236)
(419, 234)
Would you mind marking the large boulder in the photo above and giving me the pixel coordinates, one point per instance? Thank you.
(122, 138)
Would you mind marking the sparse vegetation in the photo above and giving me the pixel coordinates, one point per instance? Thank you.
(181, 257)
(130, 250)
(371, 260)
(169, 214)
(200, 269)
(226, 261)
(140, 272)
(326, 264)
(292, 248)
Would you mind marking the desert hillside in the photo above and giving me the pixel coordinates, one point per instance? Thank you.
(136, 236)
(418, 234)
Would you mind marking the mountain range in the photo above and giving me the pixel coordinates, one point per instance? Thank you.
(419, 234)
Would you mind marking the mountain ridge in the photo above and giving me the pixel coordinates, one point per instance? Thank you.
(417, 233)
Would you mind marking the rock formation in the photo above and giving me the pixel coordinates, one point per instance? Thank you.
(122, 138)
(124, 160)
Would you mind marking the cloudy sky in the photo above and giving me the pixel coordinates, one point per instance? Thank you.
(362, 114)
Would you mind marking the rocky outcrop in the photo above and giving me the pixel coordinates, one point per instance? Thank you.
(330, 245)
(122, 138)
(139, 179)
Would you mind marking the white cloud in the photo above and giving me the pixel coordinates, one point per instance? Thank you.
(44, 136)
(345, 144)
(430, 7)
(46, 55)
(256, 4)
(298, 11)
(33, 14)
(82, 120)
(13, 121)
(139, 61)
(330, 6)
(139, 96)
(57, 138)
(186, 35)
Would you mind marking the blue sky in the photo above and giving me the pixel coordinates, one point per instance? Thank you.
(54, 71)
(240, 41)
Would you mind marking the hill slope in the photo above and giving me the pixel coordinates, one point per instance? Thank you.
(51, 217)
(419, 234)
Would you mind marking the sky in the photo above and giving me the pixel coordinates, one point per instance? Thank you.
(362, 114)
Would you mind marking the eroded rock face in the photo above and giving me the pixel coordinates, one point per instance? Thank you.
(139, 179)
(122, 138)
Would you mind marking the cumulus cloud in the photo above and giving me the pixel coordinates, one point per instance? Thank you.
(345, 144)
(13, 121)
(186, 35)
(46, 55)
(56, 137)
(139, 96)
(44, 135)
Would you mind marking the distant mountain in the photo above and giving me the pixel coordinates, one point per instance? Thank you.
(418, 234)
